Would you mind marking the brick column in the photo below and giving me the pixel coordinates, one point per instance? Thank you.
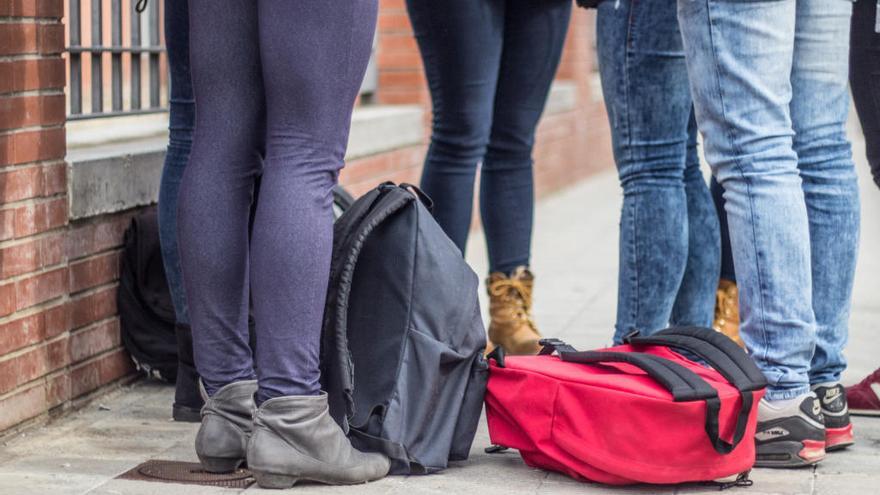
(401, 77)
(34, 341)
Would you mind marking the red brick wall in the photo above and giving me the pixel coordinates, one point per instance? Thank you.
(34, 323)
(59, 334)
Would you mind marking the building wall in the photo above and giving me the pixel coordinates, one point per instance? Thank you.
(59, 333)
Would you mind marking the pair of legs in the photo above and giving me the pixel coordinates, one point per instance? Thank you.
(274, 84)
(489, 64)
(668, 229)
(769, 80)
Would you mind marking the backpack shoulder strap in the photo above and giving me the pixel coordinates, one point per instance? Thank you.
(682, 383)
(728, 359)
(715, 348)
(364, 216)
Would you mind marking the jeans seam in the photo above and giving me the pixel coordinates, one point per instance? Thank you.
(634, 246)
(625, 117)
(739, 167)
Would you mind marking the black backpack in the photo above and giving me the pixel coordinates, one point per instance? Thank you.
(146, 313)
(402, 348)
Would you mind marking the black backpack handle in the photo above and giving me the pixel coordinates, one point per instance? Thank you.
(682, 383)
(716, 348)
(728, 359)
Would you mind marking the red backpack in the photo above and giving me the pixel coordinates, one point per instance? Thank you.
(635, 413)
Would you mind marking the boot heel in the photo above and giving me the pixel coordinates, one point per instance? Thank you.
(269, 480)
(220, 464)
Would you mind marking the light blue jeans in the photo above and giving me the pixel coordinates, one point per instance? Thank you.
(669, 234)
(769, 82)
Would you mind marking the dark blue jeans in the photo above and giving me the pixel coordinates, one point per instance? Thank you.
(181, 123)
(728, 272)
(864, 70)
(275, 83)
(669, 245)
(489, 64)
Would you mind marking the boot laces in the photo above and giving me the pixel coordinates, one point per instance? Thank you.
(516, 294)
(726, 304)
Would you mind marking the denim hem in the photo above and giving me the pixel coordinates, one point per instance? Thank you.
(825, 378)
(786, 394)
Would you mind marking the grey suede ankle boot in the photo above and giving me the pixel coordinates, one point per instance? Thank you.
(227, 421)
(296, 439)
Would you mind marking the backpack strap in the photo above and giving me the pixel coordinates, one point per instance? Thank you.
(350, 235)
(715, 348)
(725, 357)
(682, 383)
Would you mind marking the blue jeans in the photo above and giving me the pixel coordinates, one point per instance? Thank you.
(669, 246)
(489, 64)
(181, 123)
(769, 79)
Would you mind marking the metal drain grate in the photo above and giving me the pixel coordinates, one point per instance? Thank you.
(188, 473)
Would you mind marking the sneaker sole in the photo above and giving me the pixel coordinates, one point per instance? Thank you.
(790, 454)
(865, 412)
(839, 438)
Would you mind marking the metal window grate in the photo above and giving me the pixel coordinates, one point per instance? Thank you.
(133, 62)
(133, 59)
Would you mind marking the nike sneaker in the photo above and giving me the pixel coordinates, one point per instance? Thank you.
(864, 398)
(838, 428)
(790, 433)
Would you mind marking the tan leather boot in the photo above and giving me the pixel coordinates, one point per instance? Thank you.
(510, 308)
(727, 310)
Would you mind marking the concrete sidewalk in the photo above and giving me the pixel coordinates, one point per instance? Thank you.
(576, 261)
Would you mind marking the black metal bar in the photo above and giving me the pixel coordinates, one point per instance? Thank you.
(75, 59)
(155, 76)
(135, 57)
(116, 57)
(143, 111)
(115, 49)
(97, 62)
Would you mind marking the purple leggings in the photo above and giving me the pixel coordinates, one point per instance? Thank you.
(274, 82)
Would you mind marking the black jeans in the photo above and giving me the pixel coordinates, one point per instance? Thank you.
(865, 77)
(489, 64)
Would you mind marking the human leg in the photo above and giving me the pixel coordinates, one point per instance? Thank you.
(533, 36)
(213, 215)
(460, 42)
(695, 302)
(217, 187)
(311, 79)
(740, 57)
(644, 80)
(865, 77)
(819, 111)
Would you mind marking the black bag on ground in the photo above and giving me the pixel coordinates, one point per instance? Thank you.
(146, 313)
(403, 342)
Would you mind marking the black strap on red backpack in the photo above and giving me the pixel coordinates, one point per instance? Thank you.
(717, 350)
(726, 358)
